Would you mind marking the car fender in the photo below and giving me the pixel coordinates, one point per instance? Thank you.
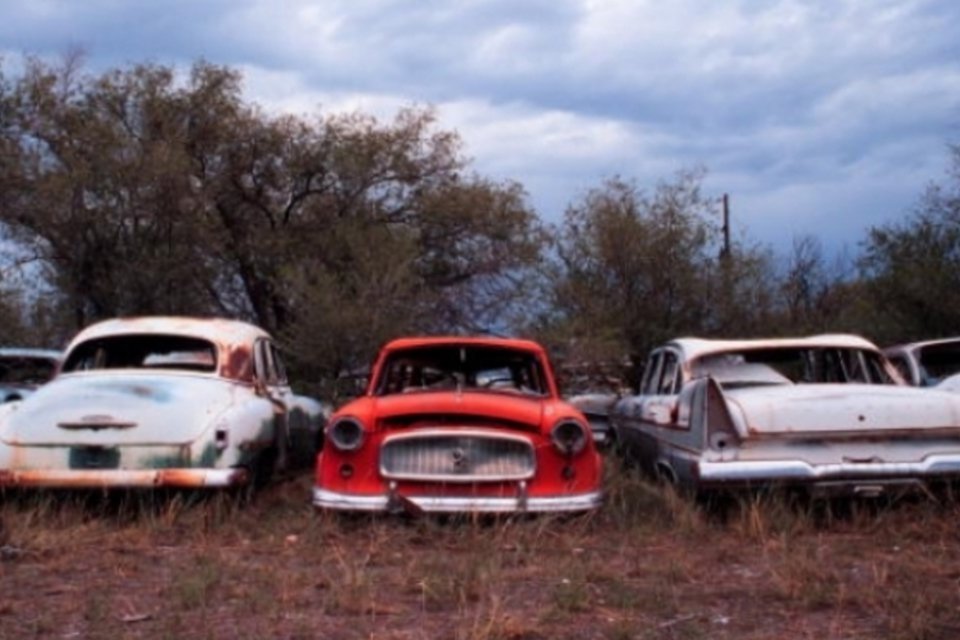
(250, 428)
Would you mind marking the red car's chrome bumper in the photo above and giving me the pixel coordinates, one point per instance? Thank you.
(457, 504)
(124, 478)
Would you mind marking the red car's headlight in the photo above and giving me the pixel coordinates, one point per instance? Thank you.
(569, 437)
(346, 434)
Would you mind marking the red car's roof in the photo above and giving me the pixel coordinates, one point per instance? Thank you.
(503, 343)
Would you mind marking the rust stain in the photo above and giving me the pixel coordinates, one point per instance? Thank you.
(233, 339)
(237, 362)
(176, 478)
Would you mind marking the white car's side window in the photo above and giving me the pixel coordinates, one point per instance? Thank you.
(651, 375)
(280, 370)
(263, 362)
(669, 374)
(902, 366)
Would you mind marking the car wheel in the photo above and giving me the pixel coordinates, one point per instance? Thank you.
(663, 473)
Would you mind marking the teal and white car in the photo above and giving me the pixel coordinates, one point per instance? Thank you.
(161, 402)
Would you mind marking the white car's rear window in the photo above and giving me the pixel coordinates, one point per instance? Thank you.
(143, 352)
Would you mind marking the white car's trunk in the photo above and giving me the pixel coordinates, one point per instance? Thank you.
(844, 410)
(126, 409)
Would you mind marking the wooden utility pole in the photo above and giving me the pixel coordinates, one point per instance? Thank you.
(725, 250)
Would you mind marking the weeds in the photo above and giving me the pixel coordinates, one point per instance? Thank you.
(640, 506)
(454, 581)
(650, 564)
(194, 586)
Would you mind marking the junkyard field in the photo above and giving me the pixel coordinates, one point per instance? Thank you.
(647, 565)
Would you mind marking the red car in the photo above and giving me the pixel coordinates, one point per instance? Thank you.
(459, 425)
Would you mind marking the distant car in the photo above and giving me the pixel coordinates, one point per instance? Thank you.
(931, 363)
(454, 424)
(23, 370)
(160, 401)
(596, 409)
(593, 389)
(827, 413)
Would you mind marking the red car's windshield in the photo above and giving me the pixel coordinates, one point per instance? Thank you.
(451, 367)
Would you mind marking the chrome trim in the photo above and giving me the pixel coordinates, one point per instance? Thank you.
(124, 478)
(96, 426)
(325, 499)
(799, 470)
(529, 470)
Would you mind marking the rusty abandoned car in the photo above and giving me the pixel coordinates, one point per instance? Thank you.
(150, 402)
(826, 413)
(930, 363)
(23, 370)
(459, 425)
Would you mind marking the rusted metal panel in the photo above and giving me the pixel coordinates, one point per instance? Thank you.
(124, 478)
(234, 339)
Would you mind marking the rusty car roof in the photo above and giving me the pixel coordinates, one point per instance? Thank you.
(696, 347)
(233, 338)
(216, 330)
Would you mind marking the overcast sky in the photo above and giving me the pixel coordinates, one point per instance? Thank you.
(818, 117)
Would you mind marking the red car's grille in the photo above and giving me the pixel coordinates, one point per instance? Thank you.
(465, 456)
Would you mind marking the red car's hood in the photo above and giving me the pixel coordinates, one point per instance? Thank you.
(498, 406)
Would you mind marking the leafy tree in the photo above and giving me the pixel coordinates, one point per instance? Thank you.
(94, 185)
(911, 269)
(636, 269)
(816, 294)
(141, 192)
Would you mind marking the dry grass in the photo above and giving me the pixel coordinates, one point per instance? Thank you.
(649, 565)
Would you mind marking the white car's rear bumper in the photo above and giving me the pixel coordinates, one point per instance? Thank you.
(187, 478)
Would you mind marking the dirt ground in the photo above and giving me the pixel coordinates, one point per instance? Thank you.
(649, 564)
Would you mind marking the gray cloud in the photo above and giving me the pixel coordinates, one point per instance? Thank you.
(819, 117)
